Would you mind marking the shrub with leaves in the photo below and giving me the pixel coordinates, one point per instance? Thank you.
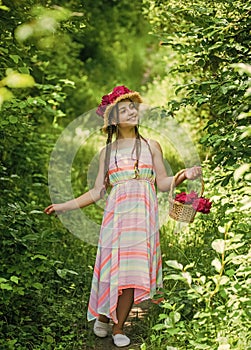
(213, 45)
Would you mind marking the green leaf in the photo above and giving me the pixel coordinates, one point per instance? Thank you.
(18, 80)
(15, 58)
(49, 339)
(174, 277)
(224, 347)
(30, 237)
(176, 316)
(238, 174)
(189, 266)
(6, 286)
(13, 119)
(159, 327)
(36, 212)
(219, 245)
(4, 8)
(217, 264)
(173, 331)
(72, 272)
(63, 272)
(223, 280)
(230, 272)
(5, 95)
(14, 279)
(24, 70)
(162, 316)
(39, 256)
(37, 285)
(174, 264)
(201, 62)
(187, 276)
(167, 305)
(234, 246)
(199, 345)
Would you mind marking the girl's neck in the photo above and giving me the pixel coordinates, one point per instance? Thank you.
(127, 133)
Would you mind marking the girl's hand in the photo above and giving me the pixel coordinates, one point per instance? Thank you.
(193, 173)
(58, 208)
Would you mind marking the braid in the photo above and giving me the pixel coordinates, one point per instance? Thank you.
(110, 131)
(117, 135)
(107, 155)
(138, 151)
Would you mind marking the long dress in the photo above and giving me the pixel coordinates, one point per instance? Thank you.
(128, 254)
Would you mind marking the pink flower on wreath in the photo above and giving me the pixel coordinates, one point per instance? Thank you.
(111, 98)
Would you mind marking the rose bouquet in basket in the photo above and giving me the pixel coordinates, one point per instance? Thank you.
(184, 206)
(200, 204)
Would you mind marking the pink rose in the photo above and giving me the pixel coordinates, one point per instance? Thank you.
(186, 198)
(111, 98)
(105, 100)
(181, 197)
(191, 197)
(101, 110)
(118, 91)
(202, 205)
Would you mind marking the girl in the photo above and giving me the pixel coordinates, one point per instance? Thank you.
(128, 263)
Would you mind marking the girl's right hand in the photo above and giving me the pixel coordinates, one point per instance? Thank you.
(58, 208)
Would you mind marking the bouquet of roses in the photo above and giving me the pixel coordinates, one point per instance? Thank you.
(200, 204)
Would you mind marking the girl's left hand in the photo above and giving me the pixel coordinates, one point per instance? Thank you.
(193, 173)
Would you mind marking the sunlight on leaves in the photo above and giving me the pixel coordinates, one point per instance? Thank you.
(18, 80)
(219, 245)
(174, 264)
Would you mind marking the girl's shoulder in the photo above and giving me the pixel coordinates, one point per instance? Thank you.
(154, 145)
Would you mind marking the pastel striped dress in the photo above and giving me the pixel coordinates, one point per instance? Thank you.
(128, 254)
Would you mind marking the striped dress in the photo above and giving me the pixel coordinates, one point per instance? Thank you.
(128, 254)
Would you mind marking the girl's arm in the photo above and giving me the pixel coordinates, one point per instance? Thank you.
(163, 181)
(92, 196)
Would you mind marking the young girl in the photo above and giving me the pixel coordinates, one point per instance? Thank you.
(128, 263)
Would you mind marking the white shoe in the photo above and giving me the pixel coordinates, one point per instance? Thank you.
(120, 340)
(100, 329)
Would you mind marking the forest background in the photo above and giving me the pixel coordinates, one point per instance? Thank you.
(190, 61)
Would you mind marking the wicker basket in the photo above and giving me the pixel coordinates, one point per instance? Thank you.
(180, 211)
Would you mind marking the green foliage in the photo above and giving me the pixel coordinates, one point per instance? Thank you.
(203, 302)
(207, 304)
(40, 283)
(54, 62)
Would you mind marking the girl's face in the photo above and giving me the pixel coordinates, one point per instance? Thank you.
(127, 113)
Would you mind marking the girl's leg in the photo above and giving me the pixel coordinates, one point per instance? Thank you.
(125, 302)
(103, 318)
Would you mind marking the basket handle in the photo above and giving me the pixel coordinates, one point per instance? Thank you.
(174, 180)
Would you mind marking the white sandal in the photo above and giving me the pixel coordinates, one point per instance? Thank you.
(100, 329)
(120, 340)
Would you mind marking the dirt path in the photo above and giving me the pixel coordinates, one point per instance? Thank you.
(134, 329)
